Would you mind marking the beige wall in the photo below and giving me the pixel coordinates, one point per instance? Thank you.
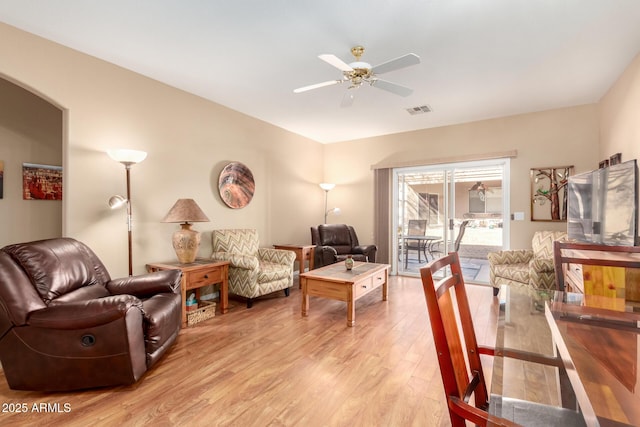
(561, 137)
(30, 132)
(620, 116)
(188, 139)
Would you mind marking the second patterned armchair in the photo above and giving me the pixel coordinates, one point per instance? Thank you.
(530, 268)
(253, 271)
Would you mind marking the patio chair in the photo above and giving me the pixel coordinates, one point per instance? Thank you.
(437, 248)
(418, 228)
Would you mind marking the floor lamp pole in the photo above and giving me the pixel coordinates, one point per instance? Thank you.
(326, 195)
(130, 237)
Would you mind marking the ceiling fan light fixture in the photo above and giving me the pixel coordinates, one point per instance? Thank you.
(361, 66)
(359, 72)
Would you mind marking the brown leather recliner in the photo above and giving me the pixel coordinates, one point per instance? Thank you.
(66, 325)
(334, 242)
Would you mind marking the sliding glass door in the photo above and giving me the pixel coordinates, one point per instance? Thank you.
(452, 207)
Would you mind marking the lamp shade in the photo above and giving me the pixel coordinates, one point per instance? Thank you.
(185, 210)
(117, 201)
(128, 157)
(327, 186)
(186, 241)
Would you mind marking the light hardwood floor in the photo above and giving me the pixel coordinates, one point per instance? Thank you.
(268, 366)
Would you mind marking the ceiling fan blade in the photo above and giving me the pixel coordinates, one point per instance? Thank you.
(397, 63)
(335, 61)
(392, 87)
(317, 86)
(347, 99)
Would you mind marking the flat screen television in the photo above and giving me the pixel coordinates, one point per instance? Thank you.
(602, 205)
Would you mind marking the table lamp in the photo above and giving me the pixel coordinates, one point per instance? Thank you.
(186, 241)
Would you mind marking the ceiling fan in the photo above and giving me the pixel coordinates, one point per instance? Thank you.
(358, 73)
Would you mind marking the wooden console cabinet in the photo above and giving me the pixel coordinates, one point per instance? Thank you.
(570, 257)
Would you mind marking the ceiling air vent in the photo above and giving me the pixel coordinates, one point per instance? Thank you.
(419, 110)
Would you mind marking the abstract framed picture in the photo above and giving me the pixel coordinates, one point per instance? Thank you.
(41, 182)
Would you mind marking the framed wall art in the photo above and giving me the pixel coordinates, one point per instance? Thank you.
(616, 159)
(549, 193)
(41, 182)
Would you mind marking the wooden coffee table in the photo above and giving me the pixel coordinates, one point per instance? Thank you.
(336, 282)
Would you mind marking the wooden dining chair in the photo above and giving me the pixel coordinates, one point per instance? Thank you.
(459, 356)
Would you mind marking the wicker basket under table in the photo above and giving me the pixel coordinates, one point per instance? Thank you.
(206, 311)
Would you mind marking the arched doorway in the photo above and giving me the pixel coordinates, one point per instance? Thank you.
(31, 131)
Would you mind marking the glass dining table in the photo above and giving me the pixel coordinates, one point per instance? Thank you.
(594, 355)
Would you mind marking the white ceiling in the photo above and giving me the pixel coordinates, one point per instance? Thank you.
(479, 58)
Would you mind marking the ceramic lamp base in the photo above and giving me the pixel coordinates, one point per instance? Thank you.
(186, 243)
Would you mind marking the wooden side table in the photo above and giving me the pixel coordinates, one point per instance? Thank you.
(201, 272)
(303, 253)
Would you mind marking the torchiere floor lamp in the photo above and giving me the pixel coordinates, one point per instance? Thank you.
(127, 158)
(328, 187)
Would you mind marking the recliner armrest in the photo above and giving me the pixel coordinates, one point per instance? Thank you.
(147, 285)
(84, 314)
(368, 250)
(363, 249)
(324, 255)
(358, 250)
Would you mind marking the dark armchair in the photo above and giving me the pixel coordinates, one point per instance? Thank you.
(66, 325)
(334, 242)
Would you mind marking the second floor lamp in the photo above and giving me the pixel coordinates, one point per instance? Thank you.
(328, 187)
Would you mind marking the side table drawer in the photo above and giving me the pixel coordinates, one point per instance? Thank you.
(197, 279)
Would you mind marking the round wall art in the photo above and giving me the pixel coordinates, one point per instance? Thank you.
(236, 185)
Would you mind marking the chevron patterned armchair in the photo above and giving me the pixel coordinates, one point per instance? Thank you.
(532, 268)
(253, 271)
